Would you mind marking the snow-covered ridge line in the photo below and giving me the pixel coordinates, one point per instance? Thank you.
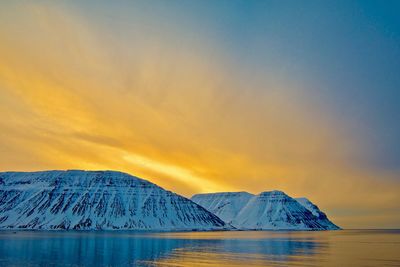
(271, 210)
(101, 200)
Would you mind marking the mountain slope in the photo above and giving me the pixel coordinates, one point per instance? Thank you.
(227, 205)
(267, 211)
(322, 218)
(86, 200)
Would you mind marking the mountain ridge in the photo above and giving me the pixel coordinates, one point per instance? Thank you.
(89, 200)
(114, 200)
(269, 210)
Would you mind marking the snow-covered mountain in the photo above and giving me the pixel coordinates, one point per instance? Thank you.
(85, 200)
(267, 211)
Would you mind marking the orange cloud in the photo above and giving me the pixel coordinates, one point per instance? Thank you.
(75, 95)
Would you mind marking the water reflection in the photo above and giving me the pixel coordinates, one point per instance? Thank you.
(338, 248)
(244, 249)
(81, 249)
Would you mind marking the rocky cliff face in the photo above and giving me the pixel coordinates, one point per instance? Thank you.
(266, 211)
(86, 200)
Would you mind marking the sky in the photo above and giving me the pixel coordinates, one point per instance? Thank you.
(211, 96)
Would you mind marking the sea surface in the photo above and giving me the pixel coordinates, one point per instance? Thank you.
(231, 248)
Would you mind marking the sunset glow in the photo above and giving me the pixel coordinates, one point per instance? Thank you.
(159, 92)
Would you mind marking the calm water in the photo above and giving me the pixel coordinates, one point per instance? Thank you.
(261, 248)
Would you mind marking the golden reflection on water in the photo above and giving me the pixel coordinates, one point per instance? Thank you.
(203, 249)
(259, 248)
(187, 258)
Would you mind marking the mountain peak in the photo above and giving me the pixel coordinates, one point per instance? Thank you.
(273, 193)
(269, 210)
(223, 194)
